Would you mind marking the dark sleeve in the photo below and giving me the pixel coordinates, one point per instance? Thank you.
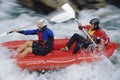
(21, 32)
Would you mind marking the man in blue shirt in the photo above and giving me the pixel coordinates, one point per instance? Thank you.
(42, 46)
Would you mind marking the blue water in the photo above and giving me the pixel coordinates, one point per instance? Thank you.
(14, 16)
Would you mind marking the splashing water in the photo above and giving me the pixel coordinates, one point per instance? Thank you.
(13, 15)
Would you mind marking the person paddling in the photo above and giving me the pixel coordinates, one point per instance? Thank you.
(95, 32)
(42, 46)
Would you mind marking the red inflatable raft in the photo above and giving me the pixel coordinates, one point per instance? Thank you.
(57, 58)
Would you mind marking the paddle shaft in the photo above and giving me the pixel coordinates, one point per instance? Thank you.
(87, 33)
(9, 32)
(6, 33)
(18, 28)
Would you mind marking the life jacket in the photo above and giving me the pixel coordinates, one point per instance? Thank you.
(91, 32)
(97, 33)
(40, 38)
(45, 37)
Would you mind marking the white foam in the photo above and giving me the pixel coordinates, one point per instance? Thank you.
(104, 70)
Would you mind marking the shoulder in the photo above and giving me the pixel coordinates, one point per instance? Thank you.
(101, 31)
(48, 31)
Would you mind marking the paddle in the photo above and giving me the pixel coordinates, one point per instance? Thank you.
(86, 32)
(65, 16)
(6, 33)
(68, 14)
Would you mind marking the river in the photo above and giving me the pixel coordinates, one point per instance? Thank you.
(14, 16)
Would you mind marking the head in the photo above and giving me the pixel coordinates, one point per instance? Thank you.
(94, 23)
(40, 23)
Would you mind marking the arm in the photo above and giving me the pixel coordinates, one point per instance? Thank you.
(86, 27)
(104, 39)
(26, 32)
(101, 39)
(80, 26)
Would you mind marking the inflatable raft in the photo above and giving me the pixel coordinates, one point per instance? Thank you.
(58, 58)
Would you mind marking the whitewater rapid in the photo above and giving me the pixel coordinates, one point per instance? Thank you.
(14, 16)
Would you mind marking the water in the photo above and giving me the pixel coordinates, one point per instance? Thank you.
(13, 15)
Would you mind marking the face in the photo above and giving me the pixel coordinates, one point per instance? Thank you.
(93, 26)
(40, 25)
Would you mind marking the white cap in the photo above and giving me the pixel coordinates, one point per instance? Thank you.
(42, 21)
